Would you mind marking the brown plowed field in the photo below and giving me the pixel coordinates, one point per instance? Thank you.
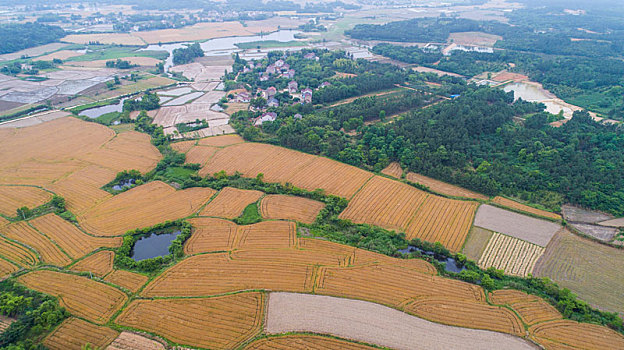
(210, 235)
(443, 220)
(283, 165)
(73, 241)
(81, 296)
(284, 207)
(443, 187)
(183, 146)
(531, 308)
(14, 197)
(394, 170)
(386, 203)
(211, 274)
(525, 208)
(74, 334)
(6, 268)
(217, 323)
(200, 154)
(99, 263)
(304, 342)
(230, 203)
(391, 285)
(221, 141)
(467, 315)
(143, 206)
(49, 253)
(129, 280)
(17, 253)
(579, 335)
(132, 341)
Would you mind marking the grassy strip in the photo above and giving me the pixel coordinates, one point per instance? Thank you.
(250, 215)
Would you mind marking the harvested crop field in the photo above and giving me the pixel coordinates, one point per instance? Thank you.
(570, 334)
(230, 202)
(183, 146)
(476, 242)
(512, 255)
(130, 280)
(99, 263)
(60, 55)
(524, 227)
(48, 251)
(210, 235)
(105, 39)
(597, 231)
(443, 220)
(223, 322)
(474, 38)
(81, 296)
(304, 342)
(73, 241)
(394, 170)
(525, 208)
(374, 324)
(204, 31)
(531, 309)
(74, 334)
(591, 270)
(17, 253)
(283, 165)
(221, 141)
(6, 268)
(132, 341)
(200, 154)
(467, 315)
(443, 187)
(81, 189)
(290, 208)
(143, 206)
(14, 197)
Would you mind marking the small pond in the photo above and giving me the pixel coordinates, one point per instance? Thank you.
(99, 111)
(153, 245)
(450, 263)
(124, 184)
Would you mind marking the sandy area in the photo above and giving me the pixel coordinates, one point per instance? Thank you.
(104, 38)
(517, 225)
(33, 51)
(435, 71)
(602, 233)
(375, 324)
(198, 72)
(572, 213)
(619, 222)
(474, 38)
(204, 31)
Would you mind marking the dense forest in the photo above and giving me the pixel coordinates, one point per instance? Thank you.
(187, 54)
(20, 36)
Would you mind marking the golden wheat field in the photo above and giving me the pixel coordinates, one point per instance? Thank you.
(143, 206)
(99, 263)
(17, 253)
(81, 296)
(183, 146)
(74, 334)
(73, 241)
(223, 322)
(576, 335)
(443, 187)
(210, 235)
(230, 202)
(130, 280)
(200, 154)
(25, 234)
(7, 268)
(132, 341)
(531, 309)
(284, 207)
(81, 189)
(304, 342)
(221, 141)
(512, 255)
(394, 170)
(14, 197)
(525, 208)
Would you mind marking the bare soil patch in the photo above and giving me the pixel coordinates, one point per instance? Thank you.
(474, 38)
(476, 242)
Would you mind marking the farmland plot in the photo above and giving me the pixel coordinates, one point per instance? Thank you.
(221, 141)
(443, 187)
(516, 257)
(394, 170)
(199, 154)
(132, 341)
(73, 241)
(567, 334)
(284, 207)
(525, 208)
(17, 253)
(516, 225)
(6, 268)
(142, 206)
(531, 309)
(81, 296)
(223, 322)
(99, 263)
(266, 234)
(476, 242)
(74, 334)
(14, 197)
(48, 251)
(591, 270)
(81, 189)
(230, 202)
(375, 324)
(183, 146)
(304, 342)
(130, 280)
(210, 235)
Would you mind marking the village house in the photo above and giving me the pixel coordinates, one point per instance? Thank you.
(273, 102)
(243, 97)
(266, 117)
(306, 95)
(309, 56)
(264, 77)
(324, 84)
(268, 93)
(293, 87)
(279, 63)
(285, 67)
(270, 69)
(298, 116)
(289, 74)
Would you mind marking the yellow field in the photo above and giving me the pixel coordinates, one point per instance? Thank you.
(394, 170)
(99, 263)
(48, 251)
(183, 146)
(217, 323)
(577, 335)
(130, 280)
(284, 207)
(304, 342)
(14, 197)
(266, 234)
(516, 257)
(81, 189)
(142, 206)
(221, 141)
(6, 268)
(17, 253)
(200, 154)
(525, 208)
(531, 309)
(443, 187)
(203, 31)
(132, 341)
(73, 241)
(105, 39)
(230, 203)
(210, 235)
(74, 334)
(81, 296)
